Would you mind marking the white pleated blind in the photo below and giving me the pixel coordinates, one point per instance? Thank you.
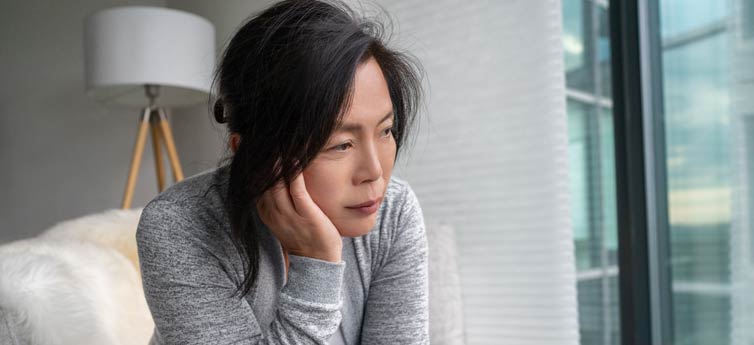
(492, 160)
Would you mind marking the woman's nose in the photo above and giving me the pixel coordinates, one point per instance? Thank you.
(370, 167)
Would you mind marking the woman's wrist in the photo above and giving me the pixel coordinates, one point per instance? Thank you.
(314, 280)
(330, 256)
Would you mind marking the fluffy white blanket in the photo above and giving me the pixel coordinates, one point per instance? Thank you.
(79, 283)
(76, 283)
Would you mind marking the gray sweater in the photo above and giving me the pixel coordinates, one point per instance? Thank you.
(190, 267)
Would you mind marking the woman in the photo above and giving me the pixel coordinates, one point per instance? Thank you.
(304, 237)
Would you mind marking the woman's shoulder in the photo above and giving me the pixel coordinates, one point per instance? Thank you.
(201, 187)
(396, 186)
(399, 201)
(398, 233)
(399, 212)
(194, 203)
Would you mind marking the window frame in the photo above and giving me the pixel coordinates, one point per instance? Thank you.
(641, 183)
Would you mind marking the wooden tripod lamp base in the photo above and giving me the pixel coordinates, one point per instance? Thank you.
(155, 118)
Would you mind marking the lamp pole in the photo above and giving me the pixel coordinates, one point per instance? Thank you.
(156, 118)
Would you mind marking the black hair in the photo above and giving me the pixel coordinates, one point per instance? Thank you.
(285, 83)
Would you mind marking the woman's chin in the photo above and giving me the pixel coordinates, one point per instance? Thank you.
(356, 228)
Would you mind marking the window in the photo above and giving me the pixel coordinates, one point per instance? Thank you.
(685, 126)
(586, 47)
(696, 60)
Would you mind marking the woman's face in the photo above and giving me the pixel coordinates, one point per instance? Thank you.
(354, 166)
(356, 163)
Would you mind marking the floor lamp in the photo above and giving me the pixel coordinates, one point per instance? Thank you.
(151, 58)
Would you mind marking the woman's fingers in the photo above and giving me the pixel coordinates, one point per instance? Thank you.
(298, 223)
(266, 206)
(281, 198)
(302, 201)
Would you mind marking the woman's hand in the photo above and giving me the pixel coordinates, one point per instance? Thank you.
(298, 223)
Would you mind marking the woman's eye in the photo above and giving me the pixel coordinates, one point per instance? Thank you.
(388, 131)
(341, 147)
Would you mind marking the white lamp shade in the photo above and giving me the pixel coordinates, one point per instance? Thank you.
(128, 47)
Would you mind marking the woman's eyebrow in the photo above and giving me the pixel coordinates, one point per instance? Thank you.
(355, 127)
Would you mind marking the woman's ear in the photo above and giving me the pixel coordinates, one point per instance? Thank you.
(235, 140)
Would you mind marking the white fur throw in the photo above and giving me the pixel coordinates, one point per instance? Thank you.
(76, 283)
(79, 283)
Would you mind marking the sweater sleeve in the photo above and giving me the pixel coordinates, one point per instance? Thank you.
(397, 307)
(192, 297)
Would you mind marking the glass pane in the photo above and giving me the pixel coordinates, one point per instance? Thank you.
(593, 212)
(592, 169)
(747, 20)
(578, 153)
(683, 16)
(608, 200)
(603, 52)
(702, 170)
(576, 44)
(599, 320)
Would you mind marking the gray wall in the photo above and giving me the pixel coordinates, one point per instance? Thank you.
(64, 155)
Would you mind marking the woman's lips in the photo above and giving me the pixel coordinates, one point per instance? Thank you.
(366, 208)
(365, 204)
